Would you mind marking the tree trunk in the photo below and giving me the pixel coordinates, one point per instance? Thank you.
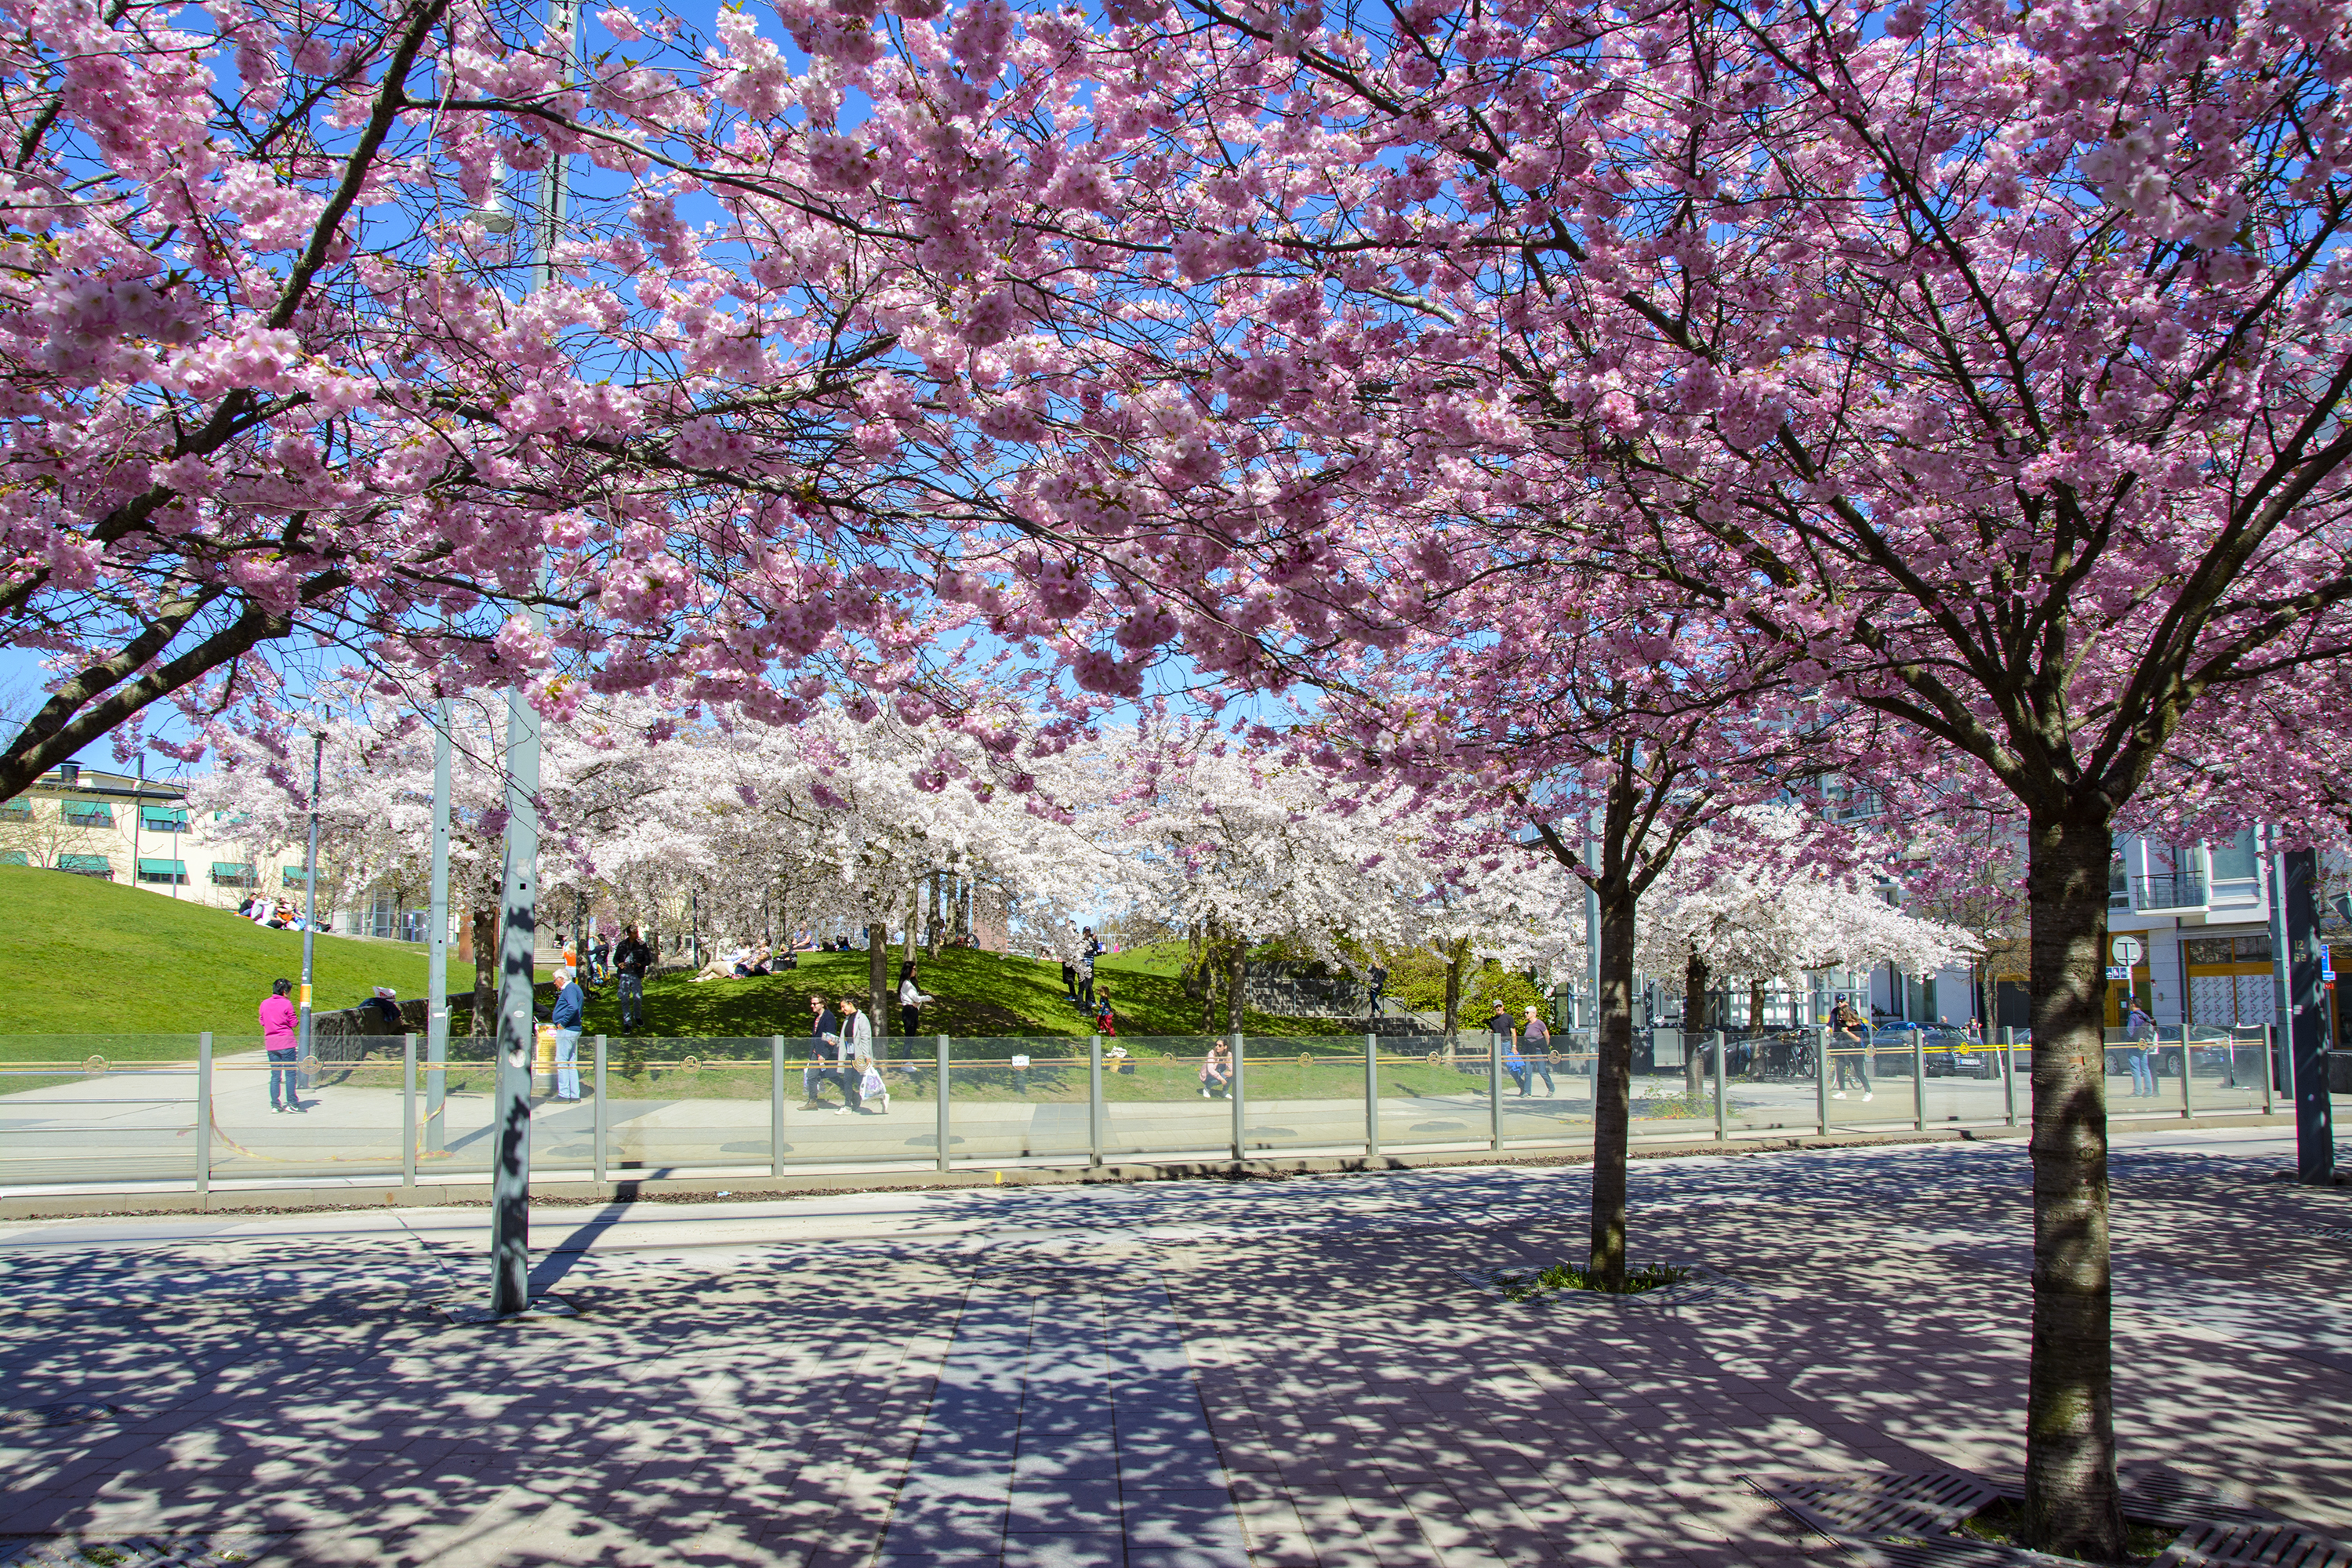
(1696, 1021)
(486, 974)
(1613, 1083)
(2071, 1502)
(878, 976)
(1456, 958)
(1756, 1004)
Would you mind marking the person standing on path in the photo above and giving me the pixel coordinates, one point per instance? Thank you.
(911, 1002)
(1535, 1043)
(1087, 971)
(1379, 980)
(571, 1007)
(630, 958)
(278, 1021)
(2140, 1029)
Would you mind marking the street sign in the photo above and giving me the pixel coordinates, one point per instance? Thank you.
(2126, 950)
(2118, 972)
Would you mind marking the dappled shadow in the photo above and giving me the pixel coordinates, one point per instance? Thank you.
(763, 1402)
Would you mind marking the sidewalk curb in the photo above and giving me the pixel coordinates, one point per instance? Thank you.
(556, 1191)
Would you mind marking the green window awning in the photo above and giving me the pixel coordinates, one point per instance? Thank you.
(296, 876)
(163, 819)
(84, 863)
(232, 868)
(148, 868)
(15, 858)
(87, 811)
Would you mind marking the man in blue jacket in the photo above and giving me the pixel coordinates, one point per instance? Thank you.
(571, 1005)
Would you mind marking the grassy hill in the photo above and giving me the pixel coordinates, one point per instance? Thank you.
(95, 958)
(90, 957)
(978, 995)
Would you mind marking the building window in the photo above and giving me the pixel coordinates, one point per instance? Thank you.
(87, 866)
(162, 819)
(17, 811)
(15, 858)
(233, 874)
(2234, 861)
(297, 877)
(87, 813)
(168, 873)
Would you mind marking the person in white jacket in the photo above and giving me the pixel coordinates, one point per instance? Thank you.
(857, 1050)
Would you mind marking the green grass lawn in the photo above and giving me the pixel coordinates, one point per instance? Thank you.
(90, 958)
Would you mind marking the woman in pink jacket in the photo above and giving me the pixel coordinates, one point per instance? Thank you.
(278, 1023)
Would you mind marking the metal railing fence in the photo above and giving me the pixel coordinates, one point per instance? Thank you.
(175, 1112)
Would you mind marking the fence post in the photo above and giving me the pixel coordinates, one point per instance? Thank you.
(2009, 1069)
(1093, 1101)
(2188, 1076)
(408, 1112)
(943, 1103)
(1722, 1120)
(1822, 1075)
(205, 1113)
(2269, 1066)
(1918, 1077)
(1495, 1089)
(775, 1105)
(1371, 1097)
(1239, 1137)
(604, 1121)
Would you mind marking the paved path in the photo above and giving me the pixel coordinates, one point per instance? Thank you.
(1196, 1375)
(140, 1126)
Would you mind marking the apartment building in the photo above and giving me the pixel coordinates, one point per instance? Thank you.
(2205, 915)
(120, 827)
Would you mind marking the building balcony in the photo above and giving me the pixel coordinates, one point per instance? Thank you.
(2169, 892)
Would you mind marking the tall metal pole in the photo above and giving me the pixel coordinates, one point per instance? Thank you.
(1593, 931)
(2306, 1020)
(437, 966)
(519, 892)
(311, 899)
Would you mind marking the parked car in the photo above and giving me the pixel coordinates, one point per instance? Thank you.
(1950, 1053)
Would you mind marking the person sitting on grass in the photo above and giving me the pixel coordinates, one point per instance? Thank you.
(1217, 1072)
(720, 967)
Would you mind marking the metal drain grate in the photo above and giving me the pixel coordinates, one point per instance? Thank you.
(1868, 1508)
(67, 1413)
(2253, 1546)
(130, 1551)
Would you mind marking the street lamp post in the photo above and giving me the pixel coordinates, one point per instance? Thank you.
(310, 901)
(519, 890)
(437, 969)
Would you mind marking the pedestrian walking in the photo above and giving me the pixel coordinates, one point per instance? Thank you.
(630, 958)
(825, 1034)
(2140, 1029)
(278, 1022)
(911, 1002)
(1854, 1061)
(1507, 1046)
(1535, 1044)
(854, 1053)
(1379, 981)
(570, 1011)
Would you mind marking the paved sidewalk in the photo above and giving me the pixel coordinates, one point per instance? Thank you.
(1187, 1375)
